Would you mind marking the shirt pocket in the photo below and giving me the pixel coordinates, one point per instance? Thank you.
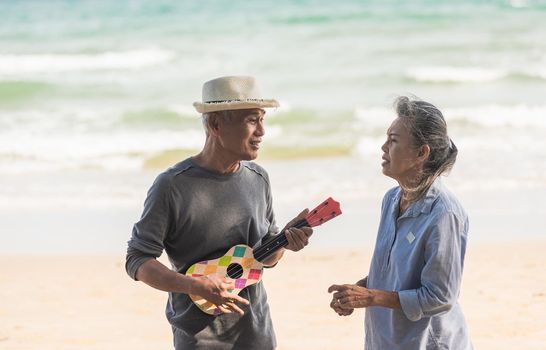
(407, 253)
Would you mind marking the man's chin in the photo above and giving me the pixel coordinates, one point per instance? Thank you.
(250, 156)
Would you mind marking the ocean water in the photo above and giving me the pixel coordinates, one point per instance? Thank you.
(94, 93)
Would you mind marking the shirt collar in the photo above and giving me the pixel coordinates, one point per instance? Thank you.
(423, 205)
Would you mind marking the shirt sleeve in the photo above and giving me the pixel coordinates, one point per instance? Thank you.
(273, 229)
(150, 231)
(442, 272)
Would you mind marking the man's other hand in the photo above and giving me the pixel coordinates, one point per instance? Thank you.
(214, 288)
(298, 238)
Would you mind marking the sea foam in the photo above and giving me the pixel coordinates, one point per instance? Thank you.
(478, 116)
(449, 74)
(13, 65)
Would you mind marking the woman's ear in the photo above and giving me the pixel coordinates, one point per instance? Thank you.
(424, 152)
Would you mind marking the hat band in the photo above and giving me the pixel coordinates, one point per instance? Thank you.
(237, 100)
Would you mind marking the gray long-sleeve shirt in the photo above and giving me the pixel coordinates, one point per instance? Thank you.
(420, 255)
(194, 215)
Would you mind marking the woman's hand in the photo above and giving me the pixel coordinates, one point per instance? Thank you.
(351, 296)
(336, 306)
(214, 288)
(348, 297)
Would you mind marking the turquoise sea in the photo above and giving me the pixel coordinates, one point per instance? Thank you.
(97, 94)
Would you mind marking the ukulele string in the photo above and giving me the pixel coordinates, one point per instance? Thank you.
(237, 269)
(282, 241)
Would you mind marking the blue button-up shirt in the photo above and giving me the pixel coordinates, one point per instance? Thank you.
(420, 255)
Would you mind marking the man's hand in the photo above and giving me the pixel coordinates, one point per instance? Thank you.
(297, 238)
(214, 288)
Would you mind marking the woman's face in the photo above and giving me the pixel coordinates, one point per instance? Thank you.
(400, 157)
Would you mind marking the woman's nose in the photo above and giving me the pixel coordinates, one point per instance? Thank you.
(384, 147)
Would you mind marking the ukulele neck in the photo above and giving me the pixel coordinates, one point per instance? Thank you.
(267, 249)
(324, 212)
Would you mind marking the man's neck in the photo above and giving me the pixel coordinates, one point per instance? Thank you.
(214, 161)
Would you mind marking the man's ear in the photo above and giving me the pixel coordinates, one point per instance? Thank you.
(424, 152)
(213, 123)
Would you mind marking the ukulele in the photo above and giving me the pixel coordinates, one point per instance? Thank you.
(244, 265)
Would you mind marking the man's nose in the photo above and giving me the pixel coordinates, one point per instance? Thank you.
(260, 129)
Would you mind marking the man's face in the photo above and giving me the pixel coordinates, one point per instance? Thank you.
(241, 132)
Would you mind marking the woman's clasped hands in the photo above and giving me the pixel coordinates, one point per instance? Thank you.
(348, 297)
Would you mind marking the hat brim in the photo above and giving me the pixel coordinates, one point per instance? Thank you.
(206, 107)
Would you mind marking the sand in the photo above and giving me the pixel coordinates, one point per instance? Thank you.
(88, 302)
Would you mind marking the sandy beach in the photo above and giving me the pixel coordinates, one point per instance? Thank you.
(96, 99)
(88, 302)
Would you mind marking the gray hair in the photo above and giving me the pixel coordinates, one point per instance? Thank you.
(205, 118)
(427, 126)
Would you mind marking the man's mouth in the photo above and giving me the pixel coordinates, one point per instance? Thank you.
(255, 144)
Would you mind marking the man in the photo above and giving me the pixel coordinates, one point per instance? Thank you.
(201, 207)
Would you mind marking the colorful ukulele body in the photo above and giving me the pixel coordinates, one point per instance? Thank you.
(238, 263)
(243, 264)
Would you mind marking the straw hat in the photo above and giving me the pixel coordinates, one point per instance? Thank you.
(234, 92)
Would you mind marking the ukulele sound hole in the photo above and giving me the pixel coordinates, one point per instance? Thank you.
(234, 271)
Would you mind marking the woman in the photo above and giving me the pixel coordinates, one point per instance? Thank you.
(415, 275)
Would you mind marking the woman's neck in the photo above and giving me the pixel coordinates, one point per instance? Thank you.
(403, 204)
(408, 184)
